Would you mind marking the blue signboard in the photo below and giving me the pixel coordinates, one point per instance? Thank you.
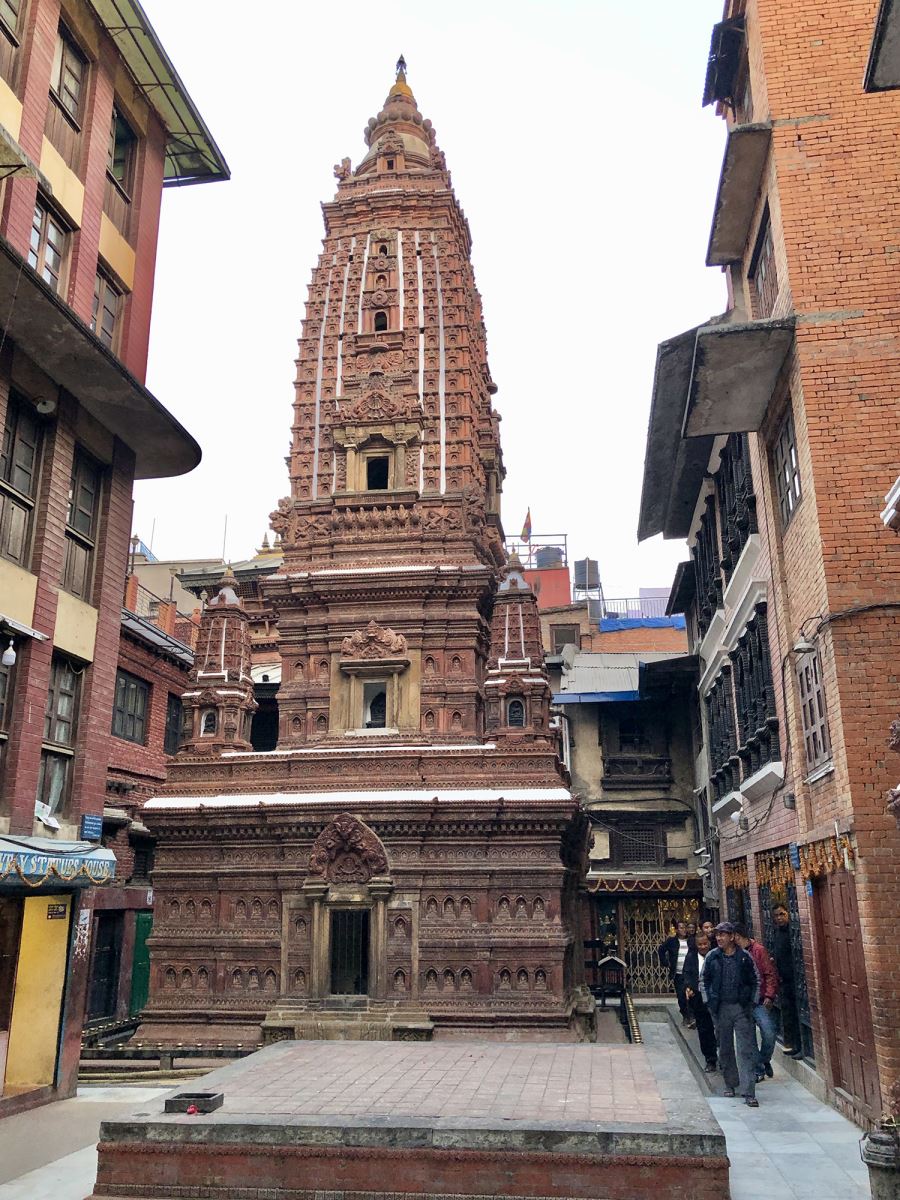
(91, 827)
(794, 853)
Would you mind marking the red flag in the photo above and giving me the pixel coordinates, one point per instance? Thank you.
(526, 528)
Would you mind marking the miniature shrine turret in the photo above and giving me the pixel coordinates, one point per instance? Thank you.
(219, 705)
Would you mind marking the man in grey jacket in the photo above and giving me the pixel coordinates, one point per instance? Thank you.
(732, 989)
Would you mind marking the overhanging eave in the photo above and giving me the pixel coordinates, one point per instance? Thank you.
(50, 334)
(739, 181)
(673, 467)
(733, 376)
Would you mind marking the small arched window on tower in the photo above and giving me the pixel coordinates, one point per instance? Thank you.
(382, 249)
(381, 322)
(375, 705)
(208, 723)
(515, 714)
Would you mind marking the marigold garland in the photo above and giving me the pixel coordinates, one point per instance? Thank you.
(825, 856)
(639, 885)
(735, 873)
(774, 870)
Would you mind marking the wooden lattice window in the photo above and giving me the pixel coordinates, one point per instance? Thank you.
(737, 502)
(705, 553)
(813, 711)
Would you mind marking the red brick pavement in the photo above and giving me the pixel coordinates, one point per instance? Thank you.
(524, 1081)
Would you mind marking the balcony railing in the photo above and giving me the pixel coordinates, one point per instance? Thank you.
(636, 771)
(630, 606)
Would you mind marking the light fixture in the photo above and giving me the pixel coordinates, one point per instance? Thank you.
(804, 646)
(789, 799)
(9, 655)
(703, 872)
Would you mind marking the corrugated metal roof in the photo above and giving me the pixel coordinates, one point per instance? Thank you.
(597, 677)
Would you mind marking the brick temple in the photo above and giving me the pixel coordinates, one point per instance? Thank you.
(406, 862)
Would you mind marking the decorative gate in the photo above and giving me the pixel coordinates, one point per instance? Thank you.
(645, 925)
(776, 886)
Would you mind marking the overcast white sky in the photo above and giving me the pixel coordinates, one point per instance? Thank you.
(586, 167)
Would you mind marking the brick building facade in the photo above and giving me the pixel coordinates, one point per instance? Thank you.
(86, 116)
(146, 725)
(772, 440)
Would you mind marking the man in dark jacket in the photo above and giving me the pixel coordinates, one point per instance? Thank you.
(732, 989)
(672, 954)
(787, 997)
(693, 967)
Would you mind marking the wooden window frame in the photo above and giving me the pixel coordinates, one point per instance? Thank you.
(10, 34)
(125, 183)
(131, 708)
(17, 504)
(66, 52)
(646, 834)
(813, 712)
(103, 287)
(764, 291)
(174, 730)
(43, 218)
(81, 543)
(556, 637)
(59, 734)
(7, 687)
(786, 469)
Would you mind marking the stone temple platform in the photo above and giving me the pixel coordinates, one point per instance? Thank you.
(430, 1121)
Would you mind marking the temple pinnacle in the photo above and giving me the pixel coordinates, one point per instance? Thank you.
(401, 69)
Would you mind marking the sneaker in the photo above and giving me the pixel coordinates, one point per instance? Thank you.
(760, 1076)
(767, 1067)
(710, 1068)
(692, 1024)
(751, 1102)
(789, 1050)
(729, 1092)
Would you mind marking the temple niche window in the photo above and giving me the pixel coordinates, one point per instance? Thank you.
(515, 714)
(375, 704)
(209, 723)
(378, 473)
(381, 321)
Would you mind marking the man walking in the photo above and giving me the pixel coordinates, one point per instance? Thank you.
(672, 954)
(732, 990)
(762, 1010)
(693, 990)
(787, 997)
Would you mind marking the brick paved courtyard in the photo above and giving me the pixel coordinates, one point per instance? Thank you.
(503, 1081)
(424, 1119)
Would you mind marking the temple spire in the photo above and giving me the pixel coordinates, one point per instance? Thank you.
(401, 69)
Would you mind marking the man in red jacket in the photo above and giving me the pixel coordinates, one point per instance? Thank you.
(762, 1010)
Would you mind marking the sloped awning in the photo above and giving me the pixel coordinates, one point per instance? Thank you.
(745, 156)
(673, 466)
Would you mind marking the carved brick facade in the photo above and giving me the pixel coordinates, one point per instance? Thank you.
(414, 813)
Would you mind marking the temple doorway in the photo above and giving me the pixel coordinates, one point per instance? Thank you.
(350, 952)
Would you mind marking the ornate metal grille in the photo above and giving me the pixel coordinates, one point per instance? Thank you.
(737, 902)
(705, 553)
(757, 722)
(788, 896)
(737, 502)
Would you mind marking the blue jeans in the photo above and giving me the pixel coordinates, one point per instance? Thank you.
(765, 1023)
